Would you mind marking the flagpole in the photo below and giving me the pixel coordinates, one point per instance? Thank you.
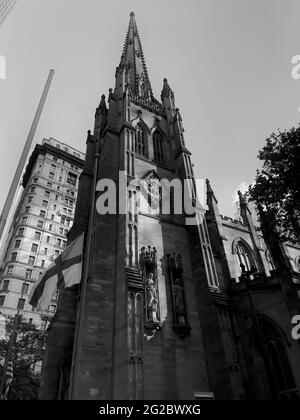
(86, 273)
(16, 179)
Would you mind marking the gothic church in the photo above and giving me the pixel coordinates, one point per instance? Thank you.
(167, 310)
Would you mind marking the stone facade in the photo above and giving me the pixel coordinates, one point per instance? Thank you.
(162, 311)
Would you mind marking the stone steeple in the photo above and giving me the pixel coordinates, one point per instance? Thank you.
(133, 61)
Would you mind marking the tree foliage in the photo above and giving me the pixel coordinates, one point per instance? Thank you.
(276, 191)
(27, 356)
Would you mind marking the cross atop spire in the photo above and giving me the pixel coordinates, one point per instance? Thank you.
(133, 59)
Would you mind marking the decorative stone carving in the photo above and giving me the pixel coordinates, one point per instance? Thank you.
(180, 320)
(151, 299)
(144, 86)
(150, 189)
(148, 264)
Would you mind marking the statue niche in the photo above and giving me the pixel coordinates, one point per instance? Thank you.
(180, 321)
(148, 264)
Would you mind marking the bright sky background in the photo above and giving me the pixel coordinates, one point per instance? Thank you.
(228, 62)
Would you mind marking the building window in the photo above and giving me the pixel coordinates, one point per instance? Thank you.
(140, 141)
(30, 199)
(10, 270)
(280, 369)
(58, 242)
(21, 303)
(35, 180)
(21, 232)
(27, 209)
(5, 285)
(47, 194)
(34, 248)
(45, 203)
(24, 220)
(28, 274)
(25, 287)
(48, 239)
(2, 299)
(18, 243)
(30, 321)
(14, 256)
(52, 216)
(37, 236)
(33, 190)
(56, 253)
(43, 263)
(51, 175)
(40, 224)
(31, 260)
(61, 231)
(46, 251)
(72, 179)
(244, 254)
(49, 184)
(53, 308)
(158, 147)
(42, 213)
(270, 261)
(50, 228)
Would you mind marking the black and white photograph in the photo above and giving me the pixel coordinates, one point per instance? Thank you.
(149, 203)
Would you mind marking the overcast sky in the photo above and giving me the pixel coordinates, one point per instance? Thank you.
(228, 62)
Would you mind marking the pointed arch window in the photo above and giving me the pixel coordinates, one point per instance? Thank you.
(297, 263)
(280, 369)
(270, 261)
(158, 147)
(244, 254)
(140, 141)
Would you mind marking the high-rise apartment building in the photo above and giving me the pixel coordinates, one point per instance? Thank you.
(41, 222)
(5, 8)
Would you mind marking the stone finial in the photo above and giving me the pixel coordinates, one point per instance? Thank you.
(165, 93)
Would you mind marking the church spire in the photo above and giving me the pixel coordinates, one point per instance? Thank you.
(133, 59)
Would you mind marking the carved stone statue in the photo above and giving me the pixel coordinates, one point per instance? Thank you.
(152, 301)
(178, 296)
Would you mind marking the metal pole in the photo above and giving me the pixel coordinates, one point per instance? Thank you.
(79, 323)
(17, 177)
(261, 339)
